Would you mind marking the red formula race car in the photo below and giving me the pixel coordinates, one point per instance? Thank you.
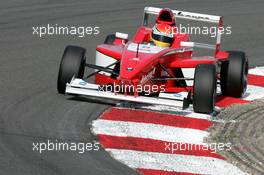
(157, 66)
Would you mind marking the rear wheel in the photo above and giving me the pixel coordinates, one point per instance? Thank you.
(110, 39)
(204, 88)
(234, 74)
(72, 64)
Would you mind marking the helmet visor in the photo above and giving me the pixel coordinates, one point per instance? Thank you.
(162, 38)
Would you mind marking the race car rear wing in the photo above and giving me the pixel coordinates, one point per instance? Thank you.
(186, 15)
(190, 16)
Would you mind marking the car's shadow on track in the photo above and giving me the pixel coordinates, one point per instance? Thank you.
(92, 100)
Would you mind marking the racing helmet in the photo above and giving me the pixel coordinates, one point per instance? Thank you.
(162, 35)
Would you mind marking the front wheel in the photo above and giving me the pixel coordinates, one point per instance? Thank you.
(204, 88)
(72, 64)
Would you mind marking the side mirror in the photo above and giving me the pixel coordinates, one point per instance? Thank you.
(123, 36)
(187, 44)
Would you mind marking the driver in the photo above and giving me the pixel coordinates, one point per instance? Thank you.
(163, 31)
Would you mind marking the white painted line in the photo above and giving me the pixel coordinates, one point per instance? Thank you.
(199, 116)
(184, 113)
(161, 108)
(174, 162)
(257, 71)
(151, 131)
(253, 93)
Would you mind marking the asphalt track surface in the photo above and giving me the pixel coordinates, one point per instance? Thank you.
(31, 109)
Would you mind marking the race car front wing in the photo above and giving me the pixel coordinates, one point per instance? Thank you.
(81, 87)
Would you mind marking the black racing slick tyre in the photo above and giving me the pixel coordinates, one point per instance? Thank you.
(110, 39)
(204, 88)
(72, 64)
(234, 74)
